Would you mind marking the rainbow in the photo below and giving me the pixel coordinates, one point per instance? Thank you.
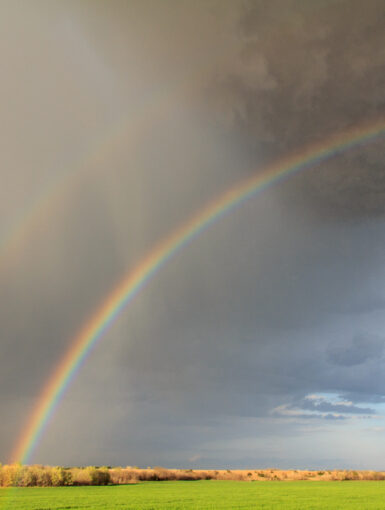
(94, 329)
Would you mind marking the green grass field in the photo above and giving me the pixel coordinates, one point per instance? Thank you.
(203, 495)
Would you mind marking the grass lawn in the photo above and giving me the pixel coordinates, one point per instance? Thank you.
(202, 495)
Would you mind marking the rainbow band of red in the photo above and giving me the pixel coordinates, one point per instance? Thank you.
(137, 278)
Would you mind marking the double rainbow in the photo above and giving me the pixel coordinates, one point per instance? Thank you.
(94, 328)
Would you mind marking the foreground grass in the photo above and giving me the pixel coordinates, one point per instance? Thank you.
(202, 495)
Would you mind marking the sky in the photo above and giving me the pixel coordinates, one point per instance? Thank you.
(261, 343)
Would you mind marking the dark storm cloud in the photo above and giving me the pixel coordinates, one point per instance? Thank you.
(307, 70)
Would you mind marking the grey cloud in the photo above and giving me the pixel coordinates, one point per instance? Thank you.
(313, 416)
(321, 408)
(363, 397)
(333, 417)
(356, 352)
(322, 405)
(372, 304)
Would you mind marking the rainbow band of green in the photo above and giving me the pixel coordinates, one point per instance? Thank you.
(137, 278)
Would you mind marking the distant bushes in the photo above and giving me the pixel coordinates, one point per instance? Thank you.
(156, 474)
(16, 475)
(90, 476)
(135, 474)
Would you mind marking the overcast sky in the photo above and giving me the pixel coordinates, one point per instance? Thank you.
(260, 344)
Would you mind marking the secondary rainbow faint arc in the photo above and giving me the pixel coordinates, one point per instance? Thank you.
(131, 128)
(136, 278)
